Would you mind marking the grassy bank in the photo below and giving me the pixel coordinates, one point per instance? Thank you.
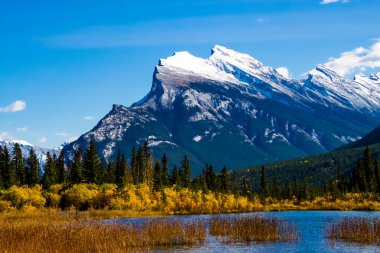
(69, 232)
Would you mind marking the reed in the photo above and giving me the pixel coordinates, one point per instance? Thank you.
(355, 230)
(62, 233)
(252, 229)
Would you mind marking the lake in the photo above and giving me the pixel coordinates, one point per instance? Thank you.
(310, 225)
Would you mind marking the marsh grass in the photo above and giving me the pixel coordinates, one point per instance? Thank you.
(355, 230)
(67, 233)
(252, 229)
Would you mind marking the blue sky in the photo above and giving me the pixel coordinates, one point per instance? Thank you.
(67, 62)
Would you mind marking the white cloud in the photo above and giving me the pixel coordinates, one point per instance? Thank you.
(88, 118)
(61, 134)
(43, 139)
(6, 136)
(360, 59)
(260, 20)
(333, 1)
(22, 129)
(14, 107)
(284, 72)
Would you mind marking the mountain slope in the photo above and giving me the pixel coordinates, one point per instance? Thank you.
(231, 109)
(369, 139)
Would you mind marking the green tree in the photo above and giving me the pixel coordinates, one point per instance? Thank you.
(263, 184)
(134, 166)
(157, 177)
(225, 180)
(111, 178)
(369, 170)
(2, 167)
(305, 192)
(92, 165)
(210, 177)
(147, 164)
(295, 190)
(61, 171)
(33, 167)
(9, 171)
(275, 189)
(19, 165)
(175, 176)
(287, 191)
(50, 176)
(184, 172)
(165, 170)
(76, 170)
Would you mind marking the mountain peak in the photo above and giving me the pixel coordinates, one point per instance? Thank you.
(183, 68)
(232, 57)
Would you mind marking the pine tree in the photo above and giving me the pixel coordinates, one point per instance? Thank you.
(61, 168)
(225, 180)
(184, 172)
(76, 170)
(304, 193)
(92, 166)
(140, 166)
(369, 170)
(18, 163)
(157, 177)
(175, 176)
(148, 166)
(119, 173)
(210, 178)
(134, 166)
(295, 190)
(123, 174)
(102, 173)
(263, 184)
(111, 178)
(165, 170)
(245, 188)
(1, 167)
(33, 168)
(287, 192)
(50, 176)
(377, 175)
(275, 189)
(9, 171)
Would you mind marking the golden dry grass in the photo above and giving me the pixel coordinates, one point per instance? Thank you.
(252, 229)
(355, 230)
(63, 232)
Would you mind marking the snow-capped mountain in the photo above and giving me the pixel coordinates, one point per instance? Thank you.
(231, 109)
(26, 147)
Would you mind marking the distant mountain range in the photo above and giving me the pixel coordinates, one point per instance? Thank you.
(231, 109)
(26, 147)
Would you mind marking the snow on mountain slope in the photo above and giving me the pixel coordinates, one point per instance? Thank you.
(26, 147)
(231, 109)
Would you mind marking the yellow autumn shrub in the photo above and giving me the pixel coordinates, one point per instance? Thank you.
(20, 196)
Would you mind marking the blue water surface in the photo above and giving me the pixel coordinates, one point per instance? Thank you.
(310, 225)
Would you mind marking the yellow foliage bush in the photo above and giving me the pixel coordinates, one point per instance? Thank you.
(5, 205)
(20, 196)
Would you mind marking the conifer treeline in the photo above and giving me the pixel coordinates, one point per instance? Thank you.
(364, 178)
(87, 167)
